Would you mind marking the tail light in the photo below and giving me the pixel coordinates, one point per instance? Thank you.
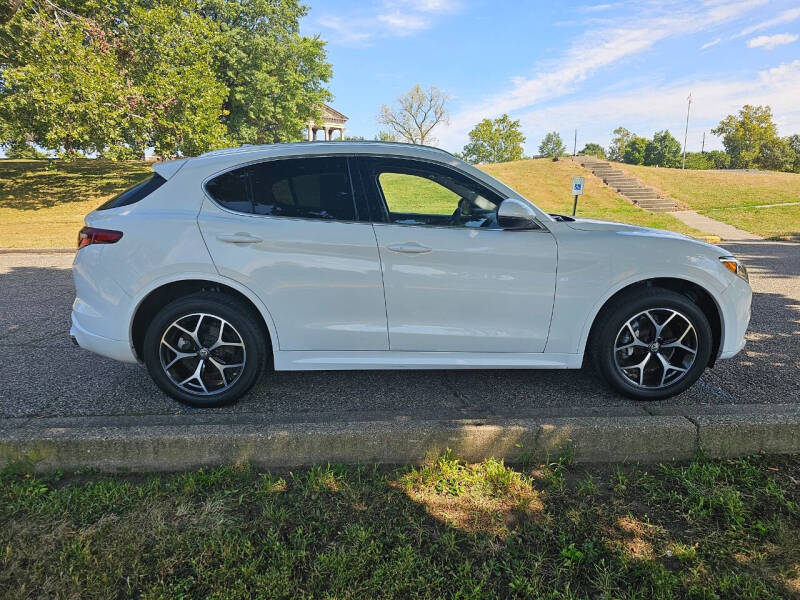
(92, 235)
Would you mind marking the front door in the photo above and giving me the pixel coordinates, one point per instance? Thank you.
(454, 281)
(289, 230)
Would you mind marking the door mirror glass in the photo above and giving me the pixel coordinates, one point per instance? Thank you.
(516, 214)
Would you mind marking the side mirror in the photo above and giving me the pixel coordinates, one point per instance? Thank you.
(516, 215)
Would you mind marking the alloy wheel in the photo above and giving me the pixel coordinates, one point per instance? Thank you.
(656, 348)
(202, 353)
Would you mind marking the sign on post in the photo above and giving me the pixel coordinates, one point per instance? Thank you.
(577, 190)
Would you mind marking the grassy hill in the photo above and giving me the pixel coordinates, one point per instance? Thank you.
(741, 199)
(547, 184)
(42, 203)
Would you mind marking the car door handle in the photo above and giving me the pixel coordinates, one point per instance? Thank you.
(238, 238)
(409, 248)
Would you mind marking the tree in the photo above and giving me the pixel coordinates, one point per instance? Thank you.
(552, 145)
(743, 135)
(619, 142)
(22, 149)
(794, 142)
(494, 141)
(777, 155)
(592, 149)
(719, 159)
(415, 114)
(634, 150)
(663, 150)
(181, 76)
(385, 136)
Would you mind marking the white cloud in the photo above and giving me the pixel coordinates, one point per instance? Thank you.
(786, 16)
(403, 24)
(396, 18)
(768, 42)
(596, 49)
(648, 108)
(713, 42)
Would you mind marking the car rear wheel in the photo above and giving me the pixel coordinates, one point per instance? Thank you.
(653, 344)
(205, 350)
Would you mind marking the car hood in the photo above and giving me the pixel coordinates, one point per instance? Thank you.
(626, 229)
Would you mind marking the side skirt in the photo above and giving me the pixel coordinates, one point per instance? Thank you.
(384, 359)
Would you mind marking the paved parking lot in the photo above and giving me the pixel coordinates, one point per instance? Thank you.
(43, 375)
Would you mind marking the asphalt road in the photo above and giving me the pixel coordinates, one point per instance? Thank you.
(43, 375)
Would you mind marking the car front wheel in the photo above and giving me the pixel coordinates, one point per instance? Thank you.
(652, 344)
(205, 350)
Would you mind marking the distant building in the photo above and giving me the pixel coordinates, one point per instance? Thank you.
(332, 120)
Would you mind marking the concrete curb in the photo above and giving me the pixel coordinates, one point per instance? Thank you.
(178, 442)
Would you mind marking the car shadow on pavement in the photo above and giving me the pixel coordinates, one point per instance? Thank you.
(44, 375)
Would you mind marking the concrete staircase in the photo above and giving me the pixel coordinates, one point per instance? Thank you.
(629, 187)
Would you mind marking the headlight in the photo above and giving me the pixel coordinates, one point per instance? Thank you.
(734, 266)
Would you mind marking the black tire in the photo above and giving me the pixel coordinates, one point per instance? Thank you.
(246, 326)
(612, 320)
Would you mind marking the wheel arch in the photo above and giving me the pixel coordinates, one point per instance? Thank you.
(694, 291)
(164, 292)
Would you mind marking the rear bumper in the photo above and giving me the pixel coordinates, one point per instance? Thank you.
(116, 349)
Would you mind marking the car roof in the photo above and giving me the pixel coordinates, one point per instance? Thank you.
(247, 153)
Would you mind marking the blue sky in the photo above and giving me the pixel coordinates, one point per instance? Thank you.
(565, 65)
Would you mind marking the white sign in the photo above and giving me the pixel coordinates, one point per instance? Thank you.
(577, 185)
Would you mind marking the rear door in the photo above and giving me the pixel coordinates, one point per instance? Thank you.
(290, 230)
(454, 281)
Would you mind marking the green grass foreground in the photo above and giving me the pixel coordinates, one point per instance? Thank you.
(706, 530)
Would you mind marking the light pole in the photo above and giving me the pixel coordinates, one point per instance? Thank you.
(686, 131)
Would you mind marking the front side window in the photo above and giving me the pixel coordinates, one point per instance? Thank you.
(313, 188)
(421, 195)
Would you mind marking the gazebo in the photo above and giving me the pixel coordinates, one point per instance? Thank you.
(332, 120)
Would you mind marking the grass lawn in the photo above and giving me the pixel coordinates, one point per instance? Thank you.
(731, 197)
(42, 203)
(707, 529)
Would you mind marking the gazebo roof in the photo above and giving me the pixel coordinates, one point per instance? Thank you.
(331, 114)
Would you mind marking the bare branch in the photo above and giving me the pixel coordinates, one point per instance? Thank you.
(415, 114)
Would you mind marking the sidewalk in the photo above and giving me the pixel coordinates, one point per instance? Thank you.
(728, 233)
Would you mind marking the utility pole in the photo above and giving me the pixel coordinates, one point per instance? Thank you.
(575, 146)
(703, 147)
(686, 132)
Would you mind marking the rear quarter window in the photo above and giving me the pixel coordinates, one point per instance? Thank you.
(134, 194)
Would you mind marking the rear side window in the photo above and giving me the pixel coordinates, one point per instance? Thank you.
(311, 188)
(134, 194)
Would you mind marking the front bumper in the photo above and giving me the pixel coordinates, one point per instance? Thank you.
(735, 304)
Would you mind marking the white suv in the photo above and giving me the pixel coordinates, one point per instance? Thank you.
(366, 255)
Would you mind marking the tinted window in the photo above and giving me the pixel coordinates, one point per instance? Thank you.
(419, 194)
(134, 194)
(316, 188)
(231, 190)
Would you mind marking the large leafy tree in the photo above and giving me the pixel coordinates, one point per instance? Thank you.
(493, 141)
(552, 145)
(634, 150)
(663, 150)
(743, 135)
(182, 76)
